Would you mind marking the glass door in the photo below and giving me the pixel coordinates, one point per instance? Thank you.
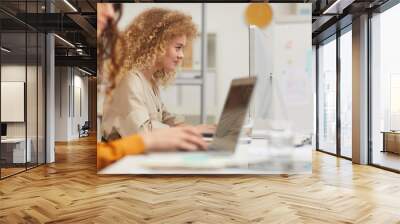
(346, 93)
(327, 96)
(385, 89)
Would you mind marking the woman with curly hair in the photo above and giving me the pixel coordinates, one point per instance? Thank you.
(161, 140)
(153, 44)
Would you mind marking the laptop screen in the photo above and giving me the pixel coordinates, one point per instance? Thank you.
(233, 114)
(3, 129)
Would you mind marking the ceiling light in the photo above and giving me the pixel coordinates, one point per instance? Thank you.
(5, 50)
(84, 71)
(64, 40)
(338, 6)
(70, 5)
(80, 51)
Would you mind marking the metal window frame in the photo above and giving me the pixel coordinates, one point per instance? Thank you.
(386, 6)
(44, 73)
(334, 37)
(381, 9)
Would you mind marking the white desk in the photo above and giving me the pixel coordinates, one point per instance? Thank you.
(278, 161)
(16, 147)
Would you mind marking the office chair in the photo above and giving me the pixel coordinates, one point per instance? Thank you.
(84, 130)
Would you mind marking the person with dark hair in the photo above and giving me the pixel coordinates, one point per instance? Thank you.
(187, 138)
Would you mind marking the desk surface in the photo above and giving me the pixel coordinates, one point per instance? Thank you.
(278, 161)
(13, 140)
(391, 132)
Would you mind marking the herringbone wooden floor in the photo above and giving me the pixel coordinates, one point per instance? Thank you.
(70, 191)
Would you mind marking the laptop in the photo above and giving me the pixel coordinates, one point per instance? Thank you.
(225, 139)
(3, 131)
(233, 116)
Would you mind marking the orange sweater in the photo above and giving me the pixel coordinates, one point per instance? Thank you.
(112, 151)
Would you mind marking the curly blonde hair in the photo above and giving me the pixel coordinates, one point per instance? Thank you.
(147, 38)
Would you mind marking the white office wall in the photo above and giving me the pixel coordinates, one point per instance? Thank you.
(67, 115)
(12, 73)
(62, 81)
(80, 108)
(12, 101)
(292, 62)
(34, 108)
(232, 46)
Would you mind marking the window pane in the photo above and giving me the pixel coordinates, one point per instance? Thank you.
(31, 101)
(13, 86)
(346, 94)
(23, 86)
(327, 97)
(41, 98)
(386, 89)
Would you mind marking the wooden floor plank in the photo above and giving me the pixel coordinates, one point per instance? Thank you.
(70, 191)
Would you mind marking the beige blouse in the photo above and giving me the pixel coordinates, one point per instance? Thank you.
(134, 106)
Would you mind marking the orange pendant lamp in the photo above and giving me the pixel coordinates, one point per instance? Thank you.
(259, 14)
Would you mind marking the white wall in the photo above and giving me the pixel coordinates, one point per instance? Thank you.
(232, 46)
(15, 73)
(33, 127)
(68, 80)
(80, 83)
(61, 103)
(292, 62)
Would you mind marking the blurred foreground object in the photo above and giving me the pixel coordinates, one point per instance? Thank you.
(259, 14)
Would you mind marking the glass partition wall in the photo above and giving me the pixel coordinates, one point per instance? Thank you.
(22, 88)
(334, 75)
(13, 110)
(385, 90)
(327, 96)
(346, 93)
(334, 134)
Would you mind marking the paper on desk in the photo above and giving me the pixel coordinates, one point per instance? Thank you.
(198, 160)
